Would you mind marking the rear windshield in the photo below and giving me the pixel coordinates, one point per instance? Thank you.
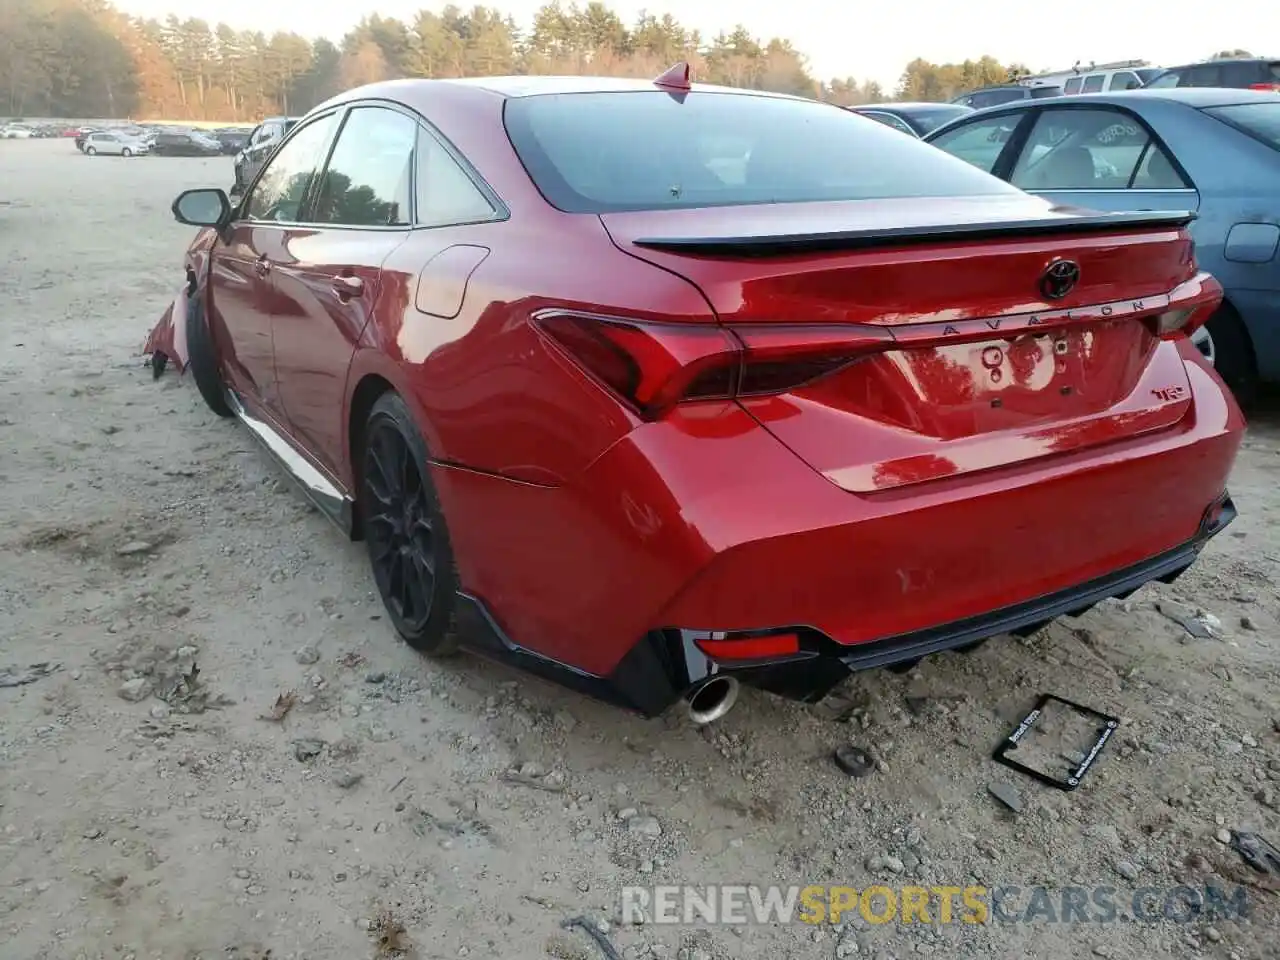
(1259, 120)
(601, 152)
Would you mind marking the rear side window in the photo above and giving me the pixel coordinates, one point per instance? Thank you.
(368, 178)
(600, 152)
(1203, 75)
(446, 195)
(1073, 85)
(1260, 120)
(1093, 83)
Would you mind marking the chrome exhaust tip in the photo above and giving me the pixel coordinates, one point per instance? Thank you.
(712, 699)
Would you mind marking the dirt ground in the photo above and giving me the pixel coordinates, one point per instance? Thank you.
(150, 806)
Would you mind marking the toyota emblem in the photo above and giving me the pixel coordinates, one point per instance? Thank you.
(1059, 279)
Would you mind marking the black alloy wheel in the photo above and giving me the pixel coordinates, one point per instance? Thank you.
(404, 530)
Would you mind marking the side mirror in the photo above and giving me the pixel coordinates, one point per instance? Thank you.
(206, 207)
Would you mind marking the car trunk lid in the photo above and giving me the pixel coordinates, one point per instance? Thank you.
(994, 330)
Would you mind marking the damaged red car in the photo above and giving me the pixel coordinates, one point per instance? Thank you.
(655, 389)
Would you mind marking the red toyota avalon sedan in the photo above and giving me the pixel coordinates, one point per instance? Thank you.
(655, 388)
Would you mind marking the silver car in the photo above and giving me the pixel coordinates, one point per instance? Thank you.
(114, 144)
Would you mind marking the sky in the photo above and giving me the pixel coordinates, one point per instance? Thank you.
(841, 40)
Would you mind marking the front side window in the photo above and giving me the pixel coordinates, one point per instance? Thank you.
(601, 152)
(1089, 150)
(1124, 81)
(1170, 78)
(981, 142)
(367, 182)
(280, 191)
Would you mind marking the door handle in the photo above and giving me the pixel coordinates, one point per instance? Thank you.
(348, 287)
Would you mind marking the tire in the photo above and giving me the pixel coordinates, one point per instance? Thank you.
(202, 360)
(126, 152)
(1230, 350)
(91, 151)
(396, 494)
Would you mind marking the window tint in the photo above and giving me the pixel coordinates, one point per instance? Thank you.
(1093, 83)
(1073, 85)
(1124, 80)
(446, 195)
(1272, 73)
(1241, 74)
(594, 152)
(1203, 75)
(282, 187)
(993, 98)
(980, 142)
(1084, 150)
(1259, 120)
(367, 181)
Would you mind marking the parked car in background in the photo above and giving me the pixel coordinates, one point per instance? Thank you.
(1252, 74)
(82, 134)
(232, 139)
(112, 144)
(916, 119)
(187, 144)
(1004, 93)
(653, 423)
(1097, 77)
(16, 131)
(1215, 152)
(264, 138)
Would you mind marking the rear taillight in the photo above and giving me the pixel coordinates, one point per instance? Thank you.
(1267, 87)
(1191, 304)
(654, 366)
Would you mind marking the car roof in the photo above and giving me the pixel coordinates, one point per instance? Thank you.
(1191, 96)
(420, 92)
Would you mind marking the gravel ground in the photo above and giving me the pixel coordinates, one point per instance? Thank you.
(147, 811)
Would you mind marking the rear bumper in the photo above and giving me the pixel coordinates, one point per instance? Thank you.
(705, 523)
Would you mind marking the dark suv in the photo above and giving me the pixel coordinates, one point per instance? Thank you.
(1242, 74)
(262, 142)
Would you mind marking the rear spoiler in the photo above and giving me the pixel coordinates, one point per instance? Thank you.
(781, 244)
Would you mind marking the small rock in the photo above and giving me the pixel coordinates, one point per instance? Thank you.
(139, 688)
(160, 711)
(375, 676)
(1127, 870)
(1248, 623)
(1223, 835)
(644, 826)
(894, 865)
(626, 813)
(1248, 741)
(1101, 951)
(134, 547)
(1212, 935)
(93, 833)
(304, 750)
(347, 780)
(1006, 795)
(1267, 797)
(307, 655)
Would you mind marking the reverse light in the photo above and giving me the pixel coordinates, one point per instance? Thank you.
(654, 366)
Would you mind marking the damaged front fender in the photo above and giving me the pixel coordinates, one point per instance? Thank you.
(167, 342)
